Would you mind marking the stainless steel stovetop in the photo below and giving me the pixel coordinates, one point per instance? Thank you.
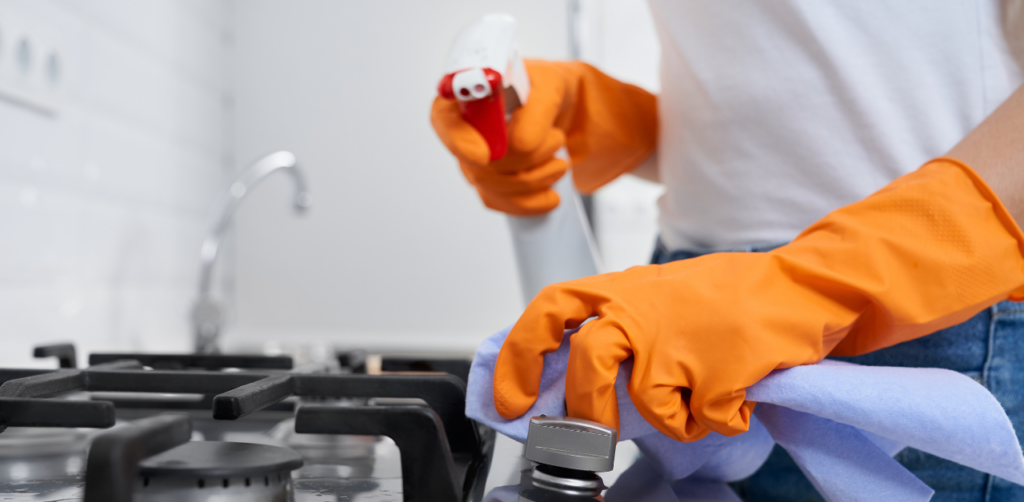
(122, 431)
(48, 465)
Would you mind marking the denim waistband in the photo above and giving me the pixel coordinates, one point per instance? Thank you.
(664, 255)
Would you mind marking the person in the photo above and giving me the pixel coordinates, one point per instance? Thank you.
(843, 179)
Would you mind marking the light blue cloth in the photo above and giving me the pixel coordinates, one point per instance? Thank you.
(840, 422)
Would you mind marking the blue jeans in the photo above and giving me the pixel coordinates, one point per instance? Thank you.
(988, 348)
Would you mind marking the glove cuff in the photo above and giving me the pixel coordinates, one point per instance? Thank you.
(928, 251)
(611, 126)
(1001, 213)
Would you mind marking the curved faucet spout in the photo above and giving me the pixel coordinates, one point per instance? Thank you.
(207, 316)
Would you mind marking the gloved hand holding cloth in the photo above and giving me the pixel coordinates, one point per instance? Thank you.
(841, 423)
(926, 252)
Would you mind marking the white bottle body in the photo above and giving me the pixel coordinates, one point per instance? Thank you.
(557, 246)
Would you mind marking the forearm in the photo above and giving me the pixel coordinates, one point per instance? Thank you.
(648, 169)
(995, 150)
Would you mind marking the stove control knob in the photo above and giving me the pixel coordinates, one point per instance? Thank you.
(572, 443)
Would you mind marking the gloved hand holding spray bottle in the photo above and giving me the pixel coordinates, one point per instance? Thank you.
(488, 80)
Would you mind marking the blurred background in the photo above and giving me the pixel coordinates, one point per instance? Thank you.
(122, 122)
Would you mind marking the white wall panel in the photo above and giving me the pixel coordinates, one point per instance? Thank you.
(397, 251)
(103, 204)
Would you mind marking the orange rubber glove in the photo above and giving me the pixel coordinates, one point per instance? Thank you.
(608, 126)
(926, 252)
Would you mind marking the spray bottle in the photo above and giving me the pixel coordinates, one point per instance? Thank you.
(486, 75)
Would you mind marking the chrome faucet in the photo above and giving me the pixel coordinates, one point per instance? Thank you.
(207, 314)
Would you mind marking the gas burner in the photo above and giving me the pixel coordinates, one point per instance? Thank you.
(215, 470)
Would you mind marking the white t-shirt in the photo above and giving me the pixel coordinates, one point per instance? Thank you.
(775, 112)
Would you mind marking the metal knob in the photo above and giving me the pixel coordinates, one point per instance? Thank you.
(571, 443)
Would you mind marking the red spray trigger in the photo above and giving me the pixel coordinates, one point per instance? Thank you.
(482, 103)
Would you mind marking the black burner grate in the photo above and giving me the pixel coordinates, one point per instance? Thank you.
(444, 455)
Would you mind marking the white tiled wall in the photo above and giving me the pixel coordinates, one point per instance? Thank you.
(110, 163)
(107, 175)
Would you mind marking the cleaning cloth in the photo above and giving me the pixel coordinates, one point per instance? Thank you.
(840, 422)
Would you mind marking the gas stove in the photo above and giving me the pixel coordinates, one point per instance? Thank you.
(220, 428)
